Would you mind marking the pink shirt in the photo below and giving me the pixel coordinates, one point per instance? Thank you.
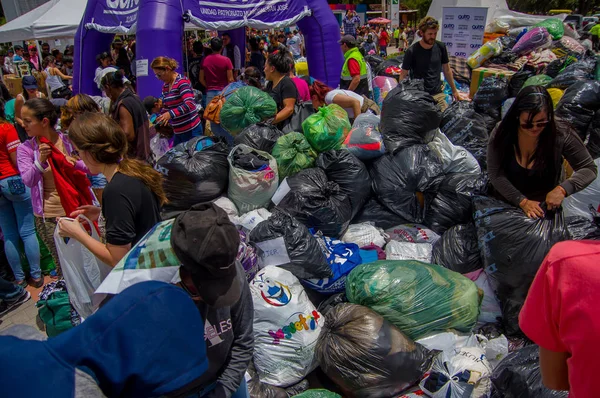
(561, 311)
(302, 87)
(215, 67)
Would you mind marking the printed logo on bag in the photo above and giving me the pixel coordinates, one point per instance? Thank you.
(298, 323)
(274, 293)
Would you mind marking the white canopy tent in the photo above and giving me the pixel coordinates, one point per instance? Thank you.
(21, 28)
(62, 20)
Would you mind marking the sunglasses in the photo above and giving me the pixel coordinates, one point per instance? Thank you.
(531, 125)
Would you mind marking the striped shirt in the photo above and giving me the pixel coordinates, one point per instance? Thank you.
(179, 101)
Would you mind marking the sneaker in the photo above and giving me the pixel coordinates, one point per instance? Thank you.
(36, 283)
(7, 305)
(22, 283)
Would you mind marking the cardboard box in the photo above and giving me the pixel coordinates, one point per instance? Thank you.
(13, 84)
(479, 74)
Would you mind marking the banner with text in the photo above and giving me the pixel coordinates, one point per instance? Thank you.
(232, 14)
(462, 29)
(395, 13)
(112, 16)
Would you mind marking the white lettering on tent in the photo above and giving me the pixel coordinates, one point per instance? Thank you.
(122, 7)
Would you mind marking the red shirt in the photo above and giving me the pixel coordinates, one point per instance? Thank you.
(561, 311)
(215, 67)
(9, 141)
(353, 67)
(383, 38)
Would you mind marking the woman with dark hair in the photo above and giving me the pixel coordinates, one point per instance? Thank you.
(40, 118)
(281, 88)
(54, 79)
(16, 213)
(526, 152)
(132, 198)
(252, 77)
(30, 90)
(128, 110)
(257, 57)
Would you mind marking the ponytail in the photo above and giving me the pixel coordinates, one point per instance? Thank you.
(150, 177)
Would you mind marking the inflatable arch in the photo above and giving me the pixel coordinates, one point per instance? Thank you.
(159, 27)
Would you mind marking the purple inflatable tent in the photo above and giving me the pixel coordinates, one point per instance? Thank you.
(159, 26)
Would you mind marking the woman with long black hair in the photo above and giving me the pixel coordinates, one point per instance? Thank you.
(526, 152)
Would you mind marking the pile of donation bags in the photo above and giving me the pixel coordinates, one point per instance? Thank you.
(379, 263)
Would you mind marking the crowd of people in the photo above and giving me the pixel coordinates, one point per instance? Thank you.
(60, 161)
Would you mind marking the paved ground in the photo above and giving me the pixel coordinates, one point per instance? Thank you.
(26, 313)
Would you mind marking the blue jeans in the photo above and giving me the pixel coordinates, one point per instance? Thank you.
(216, 129)
(185, 137)
(242, 391)
(17, 222)
(8, 290)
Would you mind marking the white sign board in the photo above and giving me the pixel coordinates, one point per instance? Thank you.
(462, 29)
(141, 67)
(395, 13)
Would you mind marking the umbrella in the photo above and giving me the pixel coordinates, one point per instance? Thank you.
(380, 20)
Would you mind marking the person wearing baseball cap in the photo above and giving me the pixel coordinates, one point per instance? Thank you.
(355, 75)
(207, 243)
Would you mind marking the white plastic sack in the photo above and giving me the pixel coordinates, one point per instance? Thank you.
(413, 233)
(455, 159)
(251, 219)
(286, 328)
(409, 251)
(159, 146)
(250, 190)
(490, 306)
(364, 234)
(579, 203)
(82, 270)
(226, 204)
(467, 373)
(505, 19)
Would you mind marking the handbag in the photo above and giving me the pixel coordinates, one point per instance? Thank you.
(55, 313)
(82, 271)
(302, 110)
(213, 109)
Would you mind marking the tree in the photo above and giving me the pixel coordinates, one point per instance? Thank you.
(421, 5)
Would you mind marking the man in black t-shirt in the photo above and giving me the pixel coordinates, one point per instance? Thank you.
(427, 59)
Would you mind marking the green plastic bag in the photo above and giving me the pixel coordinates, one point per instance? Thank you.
(327, 129)
(597, 71)
(47, 264)
(554, 26)
(318, 393)
(538, 80)
(293, 153)
(418, 298)
(55, 313)
(246, 106)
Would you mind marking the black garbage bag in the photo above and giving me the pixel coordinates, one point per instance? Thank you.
(492, 92)
(504, 58)
(261, 136)
(306, 257)
(576, 72)
(366, 356)
(379, 215)
(407, 182)
(593, 143)
(508, 42)
(317, 202)
(346, 170)
(554, 67)
(512, 248)
(458, 249)
(331, 302)
(409, 116)
(382, 70)
(578, 106)
(581, 228)
(517, 81)
(465, 127)
(374, 61)
(452, 203)
(519, 376)
(193, 175)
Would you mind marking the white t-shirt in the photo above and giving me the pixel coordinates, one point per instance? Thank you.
(293, 44)
(331, 95)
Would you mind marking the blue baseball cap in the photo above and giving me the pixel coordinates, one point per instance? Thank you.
(29, 82)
